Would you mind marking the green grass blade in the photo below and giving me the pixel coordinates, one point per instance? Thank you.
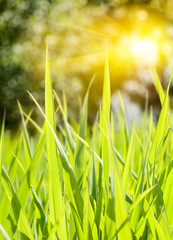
(93, 187)
(39, 184)
(66, 165)
(65, 105)
(26, 141)
(167, 194)
(79, 156)
(80, 159)
(73, 191)
(105, 114)
(139, 190)
(121, 214)
(106, 89)
(66, 125)
(14, 161)
(54, 229)
(37, 127)
(23, 190)
(42, 220)
(160, 129)
(118, 155)
(19, 215)
(127, 164)
(4, 202)
(4, 233)
(1, 145)
(125, 132)
(158, 85)
(154, 225)
(55, 191)
(86, 214)
(141, 197)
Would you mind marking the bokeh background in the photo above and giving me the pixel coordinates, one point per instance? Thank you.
(139, 36)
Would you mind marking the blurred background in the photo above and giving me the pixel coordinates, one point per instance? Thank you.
(139, 35)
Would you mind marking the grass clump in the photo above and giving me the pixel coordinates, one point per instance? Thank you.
(111, 184)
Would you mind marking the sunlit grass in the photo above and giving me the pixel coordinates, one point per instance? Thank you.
(99, 182)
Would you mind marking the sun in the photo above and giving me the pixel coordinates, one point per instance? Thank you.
(145, 50)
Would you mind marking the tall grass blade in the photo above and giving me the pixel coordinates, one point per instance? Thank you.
(139, 191)
(55, 191)
(154, 225)
(80, 148)
(66, 125)
(66, 166)
(26, 141)
(42, 222)
(125, 132)
(80, 160)
(2, 145)
(105, 114)
(158, 85)
(86, 214)
(69, 178)
(28, 178)
(121, 214)
(4, 233)
(141, 197)
(160, 129)
(127, 164)
(4, 202)
(93, 186)
(19, 215)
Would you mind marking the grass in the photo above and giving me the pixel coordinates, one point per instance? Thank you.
(91, 183)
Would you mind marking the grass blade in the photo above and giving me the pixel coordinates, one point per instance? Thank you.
(4, 233)
(121, 215)
(19, 215)
(127, 165)
(2, 145)
(105, 114)
(42, 221)
(55, 191)
(28, 178)
(158, 85)
(160, 129)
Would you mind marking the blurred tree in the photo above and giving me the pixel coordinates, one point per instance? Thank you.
(13, 77)
(98, 1)
(14, 19)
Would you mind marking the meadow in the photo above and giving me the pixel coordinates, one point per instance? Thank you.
(108, 181)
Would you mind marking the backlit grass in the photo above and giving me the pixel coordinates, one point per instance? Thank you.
(103, 182)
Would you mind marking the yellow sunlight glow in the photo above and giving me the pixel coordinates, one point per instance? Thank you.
(145, 50)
